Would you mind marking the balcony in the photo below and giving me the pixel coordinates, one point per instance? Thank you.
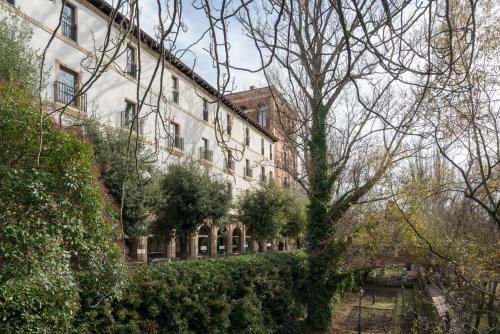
(248, 172)
(230, 164)
(206, 154)
(66, 94)
(175, 142)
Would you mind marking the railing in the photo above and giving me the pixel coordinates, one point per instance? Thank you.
(248, 172)
(177, 142)
(66, 94)
(206, 154)
(230, 164)
(127, 118)
(205, 115)
(69, 29)
(131, 69)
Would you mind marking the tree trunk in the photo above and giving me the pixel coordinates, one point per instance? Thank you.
(320, 227)
(492, 315)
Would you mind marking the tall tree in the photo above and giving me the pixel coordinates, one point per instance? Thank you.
(191, 197)
(345, 66)
(263, 211)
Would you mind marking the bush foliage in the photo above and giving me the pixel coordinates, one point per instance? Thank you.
(138, 171)
(262, 293)
(58, 258)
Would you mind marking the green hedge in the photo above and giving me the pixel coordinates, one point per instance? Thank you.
(263, 293)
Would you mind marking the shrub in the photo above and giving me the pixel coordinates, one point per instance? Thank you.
(191, 195)
(58, 258)
(138, 171)
(261, 293)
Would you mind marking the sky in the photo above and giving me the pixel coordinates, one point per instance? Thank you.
(242, 51)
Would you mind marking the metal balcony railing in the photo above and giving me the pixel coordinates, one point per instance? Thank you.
(206, 154)
(248, 172)
(176, 142)
(67, 95)
(69, 28)
(230, 164)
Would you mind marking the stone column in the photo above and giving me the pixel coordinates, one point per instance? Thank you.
(213, 242)
(193, 246)
(142, 250)
(254, 245)
(242, 241)
(229, 240)
(170, 248)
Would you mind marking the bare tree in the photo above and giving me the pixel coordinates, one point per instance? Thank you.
(349, 69)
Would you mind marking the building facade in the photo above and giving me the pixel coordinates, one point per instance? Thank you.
(266, 107)
(183, 117)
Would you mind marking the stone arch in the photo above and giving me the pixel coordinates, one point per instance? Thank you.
(237, 239)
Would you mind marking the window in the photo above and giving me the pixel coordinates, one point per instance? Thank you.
(270, 175)
(205, 110)
(247, 137)
(262, 146)
(262, 117)
(173, 137)
(129, 118)
(271, 151)
(230, 164)
(263, 174)
(205, 153)
(66, 89)
(175, 89)
(248, 171)
(68, 23)
(12, 2)
(131, 68)
(286, 183)
(229, 124)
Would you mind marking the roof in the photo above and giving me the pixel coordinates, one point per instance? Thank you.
(107, 9)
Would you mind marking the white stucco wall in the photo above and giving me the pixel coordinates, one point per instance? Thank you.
(106, 98)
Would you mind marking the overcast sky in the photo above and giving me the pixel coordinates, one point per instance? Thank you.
(242, 52)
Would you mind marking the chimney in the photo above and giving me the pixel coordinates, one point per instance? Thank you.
(252, 87)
